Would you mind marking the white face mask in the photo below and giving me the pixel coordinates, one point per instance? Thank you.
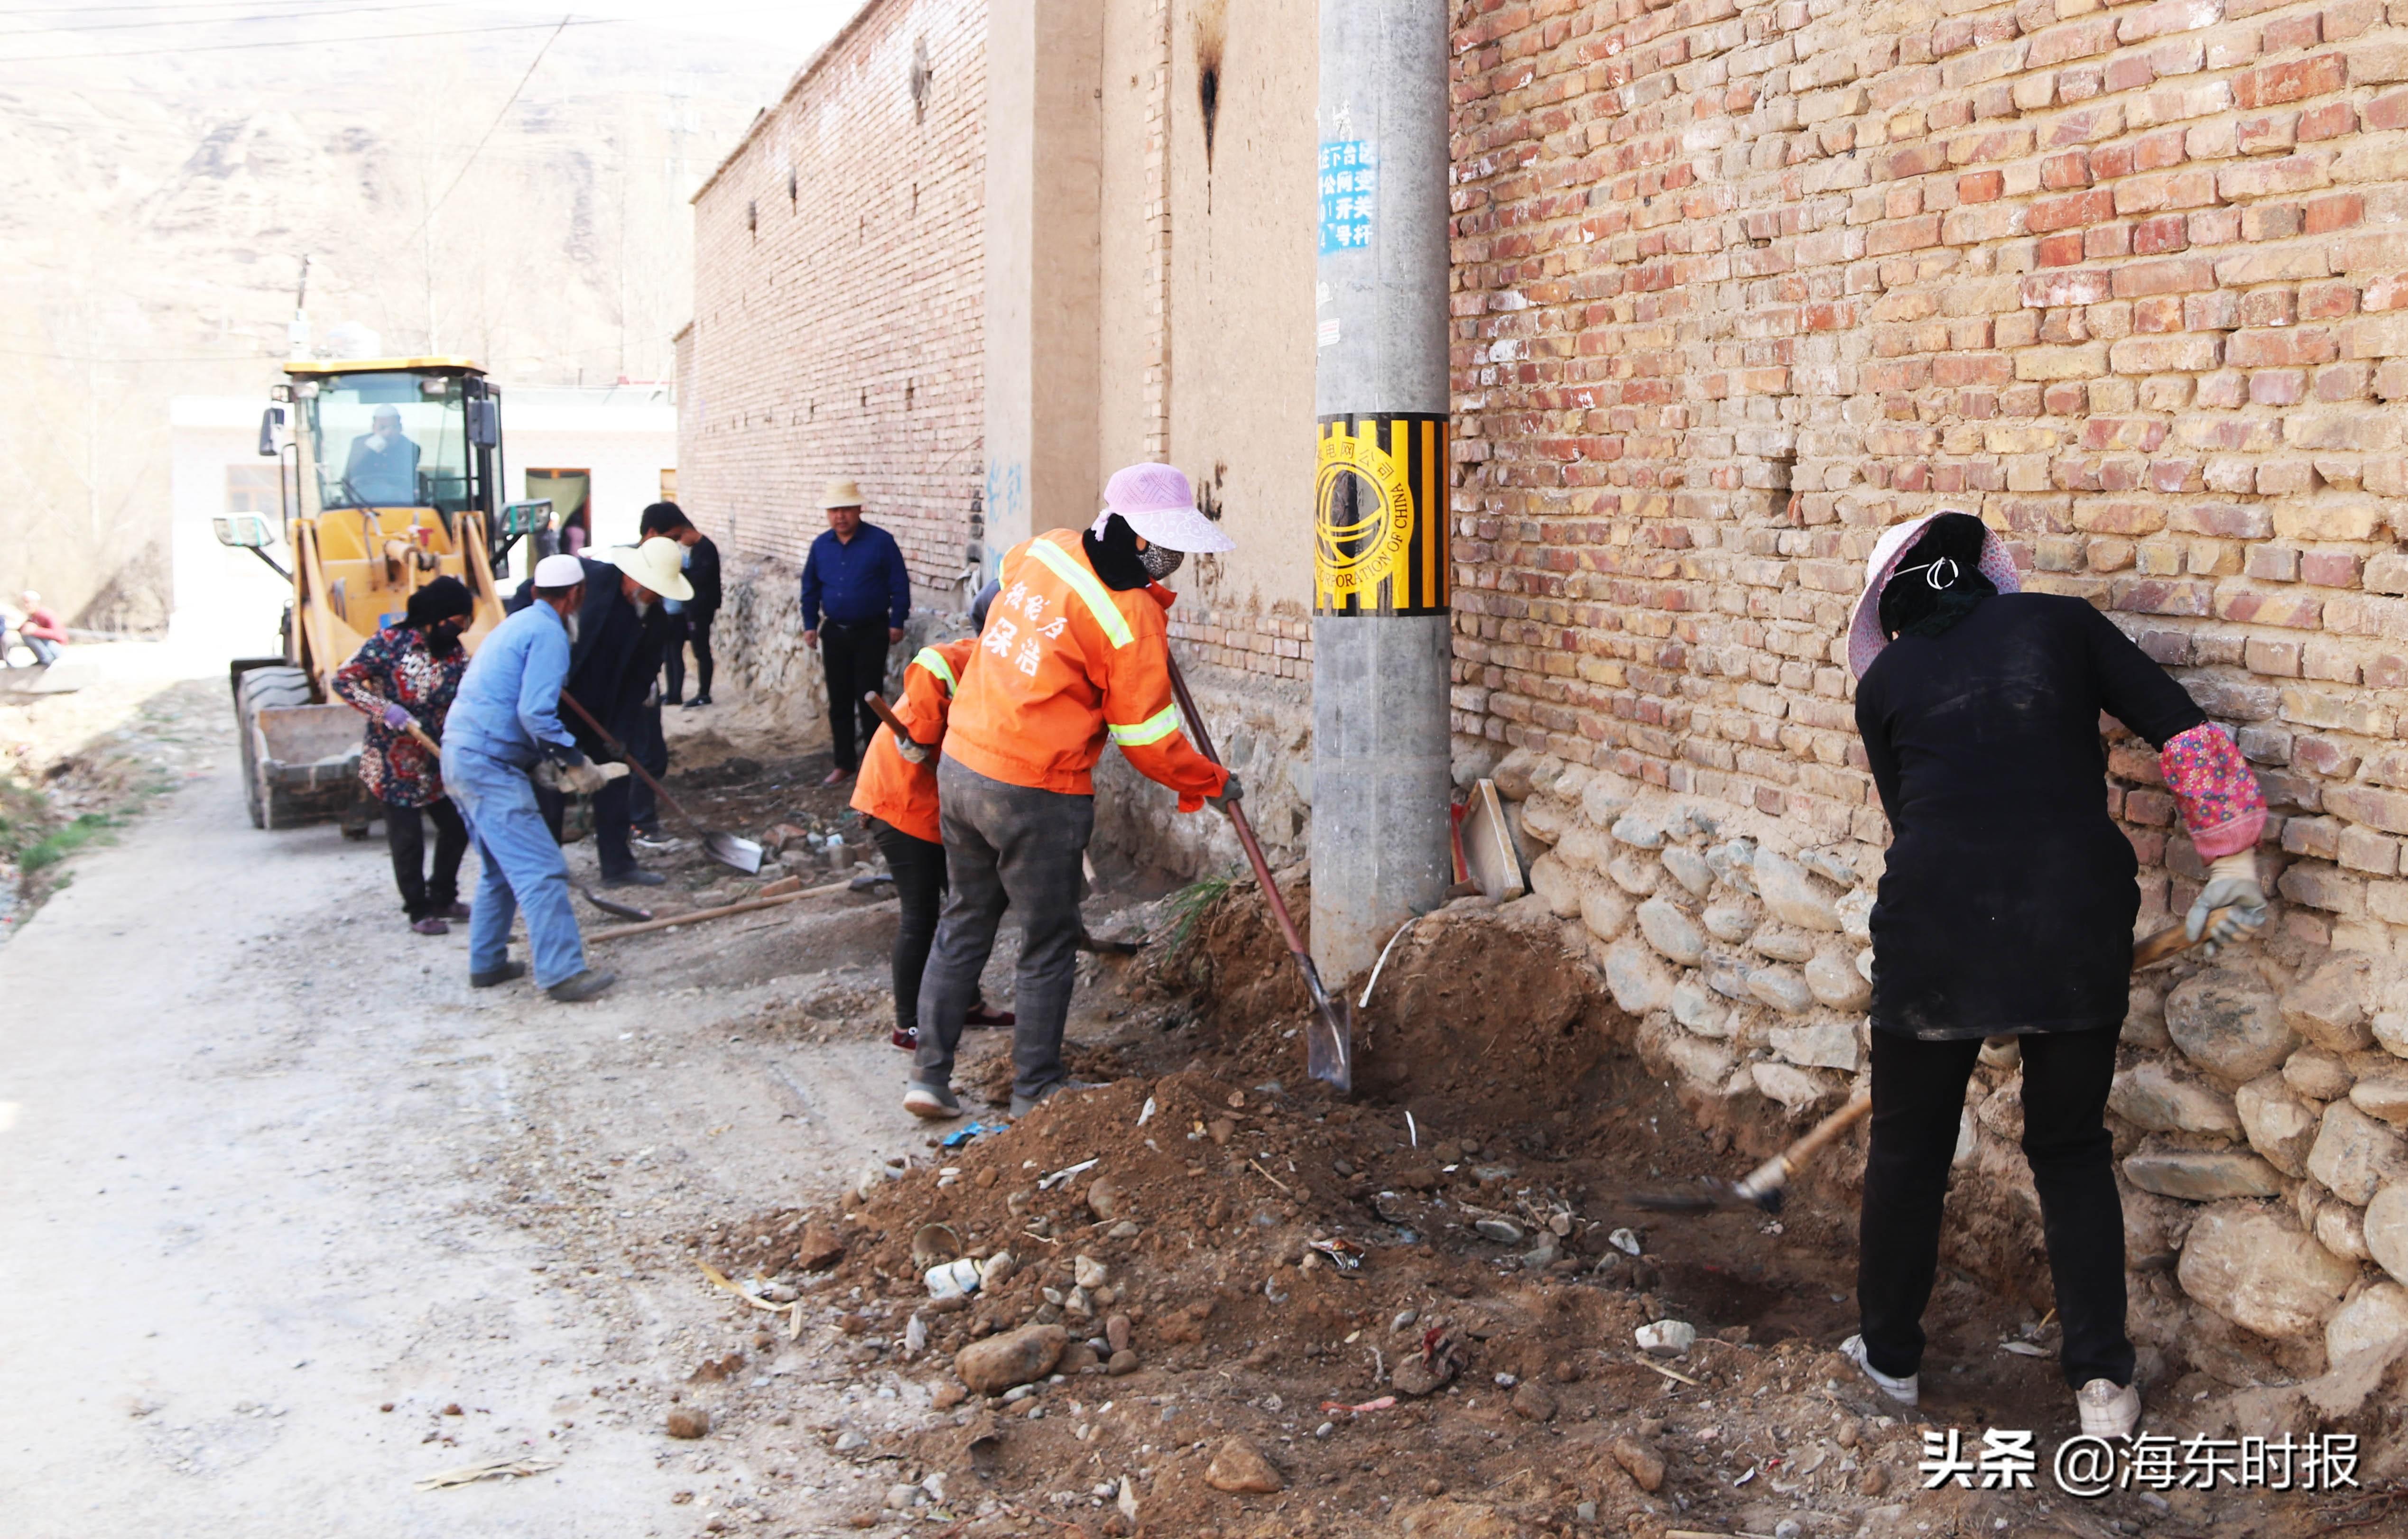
(643, 608)
(569, 620)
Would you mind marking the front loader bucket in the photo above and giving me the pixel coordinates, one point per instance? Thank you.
(309, 759)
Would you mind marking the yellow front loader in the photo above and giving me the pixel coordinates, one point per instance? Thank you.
(389, 473)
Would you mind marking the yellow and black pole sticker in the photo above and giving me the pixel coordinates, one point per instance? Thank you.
(1379, 521)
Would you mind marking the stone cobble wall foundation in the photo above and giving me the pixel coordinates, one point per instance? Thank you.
(2258, 1110)
(1738, 286)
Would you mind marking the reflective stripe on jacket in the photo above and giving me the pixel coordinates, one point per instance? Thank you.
(1066, 662)
(891, 788)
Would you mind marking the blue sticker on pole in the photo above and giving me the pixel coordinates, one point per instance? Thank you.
(1350, 185)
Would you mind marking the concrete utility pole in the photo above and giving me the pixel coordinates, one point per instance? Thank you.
(1381, 854)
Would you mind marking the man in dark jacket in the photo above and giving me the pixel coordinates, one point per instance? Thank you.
(855, 578)
(614, 661)
(696, 614)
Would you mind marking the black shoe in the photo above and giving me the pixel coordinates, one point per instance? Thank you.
(698, 701)
(496, 975)
(582, 987)
(634, 878)
(672, 700)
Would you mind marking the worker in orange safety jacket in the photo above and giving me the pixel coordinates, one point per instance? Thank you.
(1075, 650)
(896, 796)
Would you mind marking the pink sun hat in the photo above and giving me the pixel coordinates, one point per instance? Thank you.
(1865, 638)
(1159, 503)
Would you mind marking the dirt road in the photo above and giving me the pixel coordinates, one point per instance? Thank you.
(290, 1218)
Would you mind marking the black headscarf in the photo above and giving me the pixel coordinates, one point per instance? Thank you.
(1114, 555)
(1939, 580)
(445, 598)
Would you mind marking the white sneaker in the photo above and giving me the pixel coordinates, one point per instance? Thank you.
(1906, 1391)
(2108, 1409)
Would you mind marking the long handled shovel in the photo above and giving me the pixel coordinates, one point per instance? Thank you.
(625, 911)
(1329, 1037)
(724, 847)
(1764, 1187)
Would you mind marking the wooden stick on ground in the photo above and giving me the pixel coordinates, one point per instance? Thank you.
(620, 932)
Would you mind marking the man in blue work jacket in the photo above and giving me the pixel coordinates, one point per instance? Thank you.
(504, 724)
(856, 595)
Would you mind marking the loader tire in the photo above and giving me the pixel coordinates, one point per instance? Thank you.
(263, 688)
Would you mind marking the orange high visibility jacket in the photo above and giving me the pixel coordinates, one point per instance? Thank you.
(892, 789)
(1066, 662)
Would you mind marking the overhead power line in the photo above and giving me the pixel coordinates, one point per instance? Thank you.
(453, 185)
(223, 20)
(155, 4)
(306, 42)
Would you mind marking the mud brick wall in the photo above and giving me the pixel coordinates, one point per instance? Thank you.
(840, 302)
(1737, 286)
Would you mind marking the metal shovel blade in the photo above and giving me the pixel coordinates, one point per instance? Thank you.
(730, 849)
(1329, 1040)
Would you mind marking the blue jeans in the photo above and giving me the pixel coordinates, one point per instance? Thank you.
(522, 867)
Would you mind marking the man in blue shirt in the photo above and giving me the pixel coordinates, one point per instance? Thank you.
(856, 595)
(505, 722)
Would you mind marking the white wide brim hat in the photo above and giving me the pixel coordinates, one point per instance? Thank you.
(658, 565)
(1159, 503)
(1865, 638)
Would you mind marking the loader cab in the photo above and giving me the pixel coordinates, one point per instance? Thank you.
(387, 475)
(389, 470)
(397, 434)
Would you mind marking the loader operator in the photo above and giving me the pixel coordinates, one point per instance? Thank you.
(382, 469)
(2006, 908)
(1075, 649)
(505, 722)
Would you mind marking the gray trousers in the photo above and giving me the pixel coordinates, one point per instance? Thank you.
(1006, 846)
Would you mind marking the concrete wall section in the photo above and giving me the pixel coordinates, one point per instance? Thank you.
(1043, 268)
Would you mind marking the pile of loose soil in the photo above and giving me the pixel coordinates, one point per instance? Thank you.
(1241, 1306)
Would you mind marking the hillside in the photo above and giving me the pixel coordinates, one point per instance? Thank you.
(160, 183)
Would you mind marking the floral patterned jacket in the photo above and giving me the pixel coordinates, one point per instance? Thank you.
(395, 667)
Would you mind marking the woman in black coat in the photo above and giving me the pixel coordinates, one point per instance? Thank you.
(2006, 908)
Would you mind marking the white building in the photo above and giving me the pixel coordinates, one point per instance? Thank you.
(615, 445)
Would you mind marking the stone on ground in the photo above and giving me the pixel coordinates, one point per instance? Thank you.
(2260, 1271)
(1238, 1466)
(992, 1366)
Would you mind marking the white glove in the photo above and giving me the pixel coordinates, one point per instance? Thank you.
(584, 780)
(2232, 884)
(913, 753)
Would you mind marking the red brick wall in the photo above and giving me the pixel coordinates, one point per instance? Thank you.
(1736, 288)
(839, 315)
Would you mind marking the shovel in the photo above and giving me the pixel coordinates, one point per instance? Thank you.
(724, 847)
(1329, 1035)
(1765, 1186)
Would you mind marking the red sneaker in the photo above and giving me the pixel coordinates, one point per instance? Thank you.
(907, 1038)
(981, 1019)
